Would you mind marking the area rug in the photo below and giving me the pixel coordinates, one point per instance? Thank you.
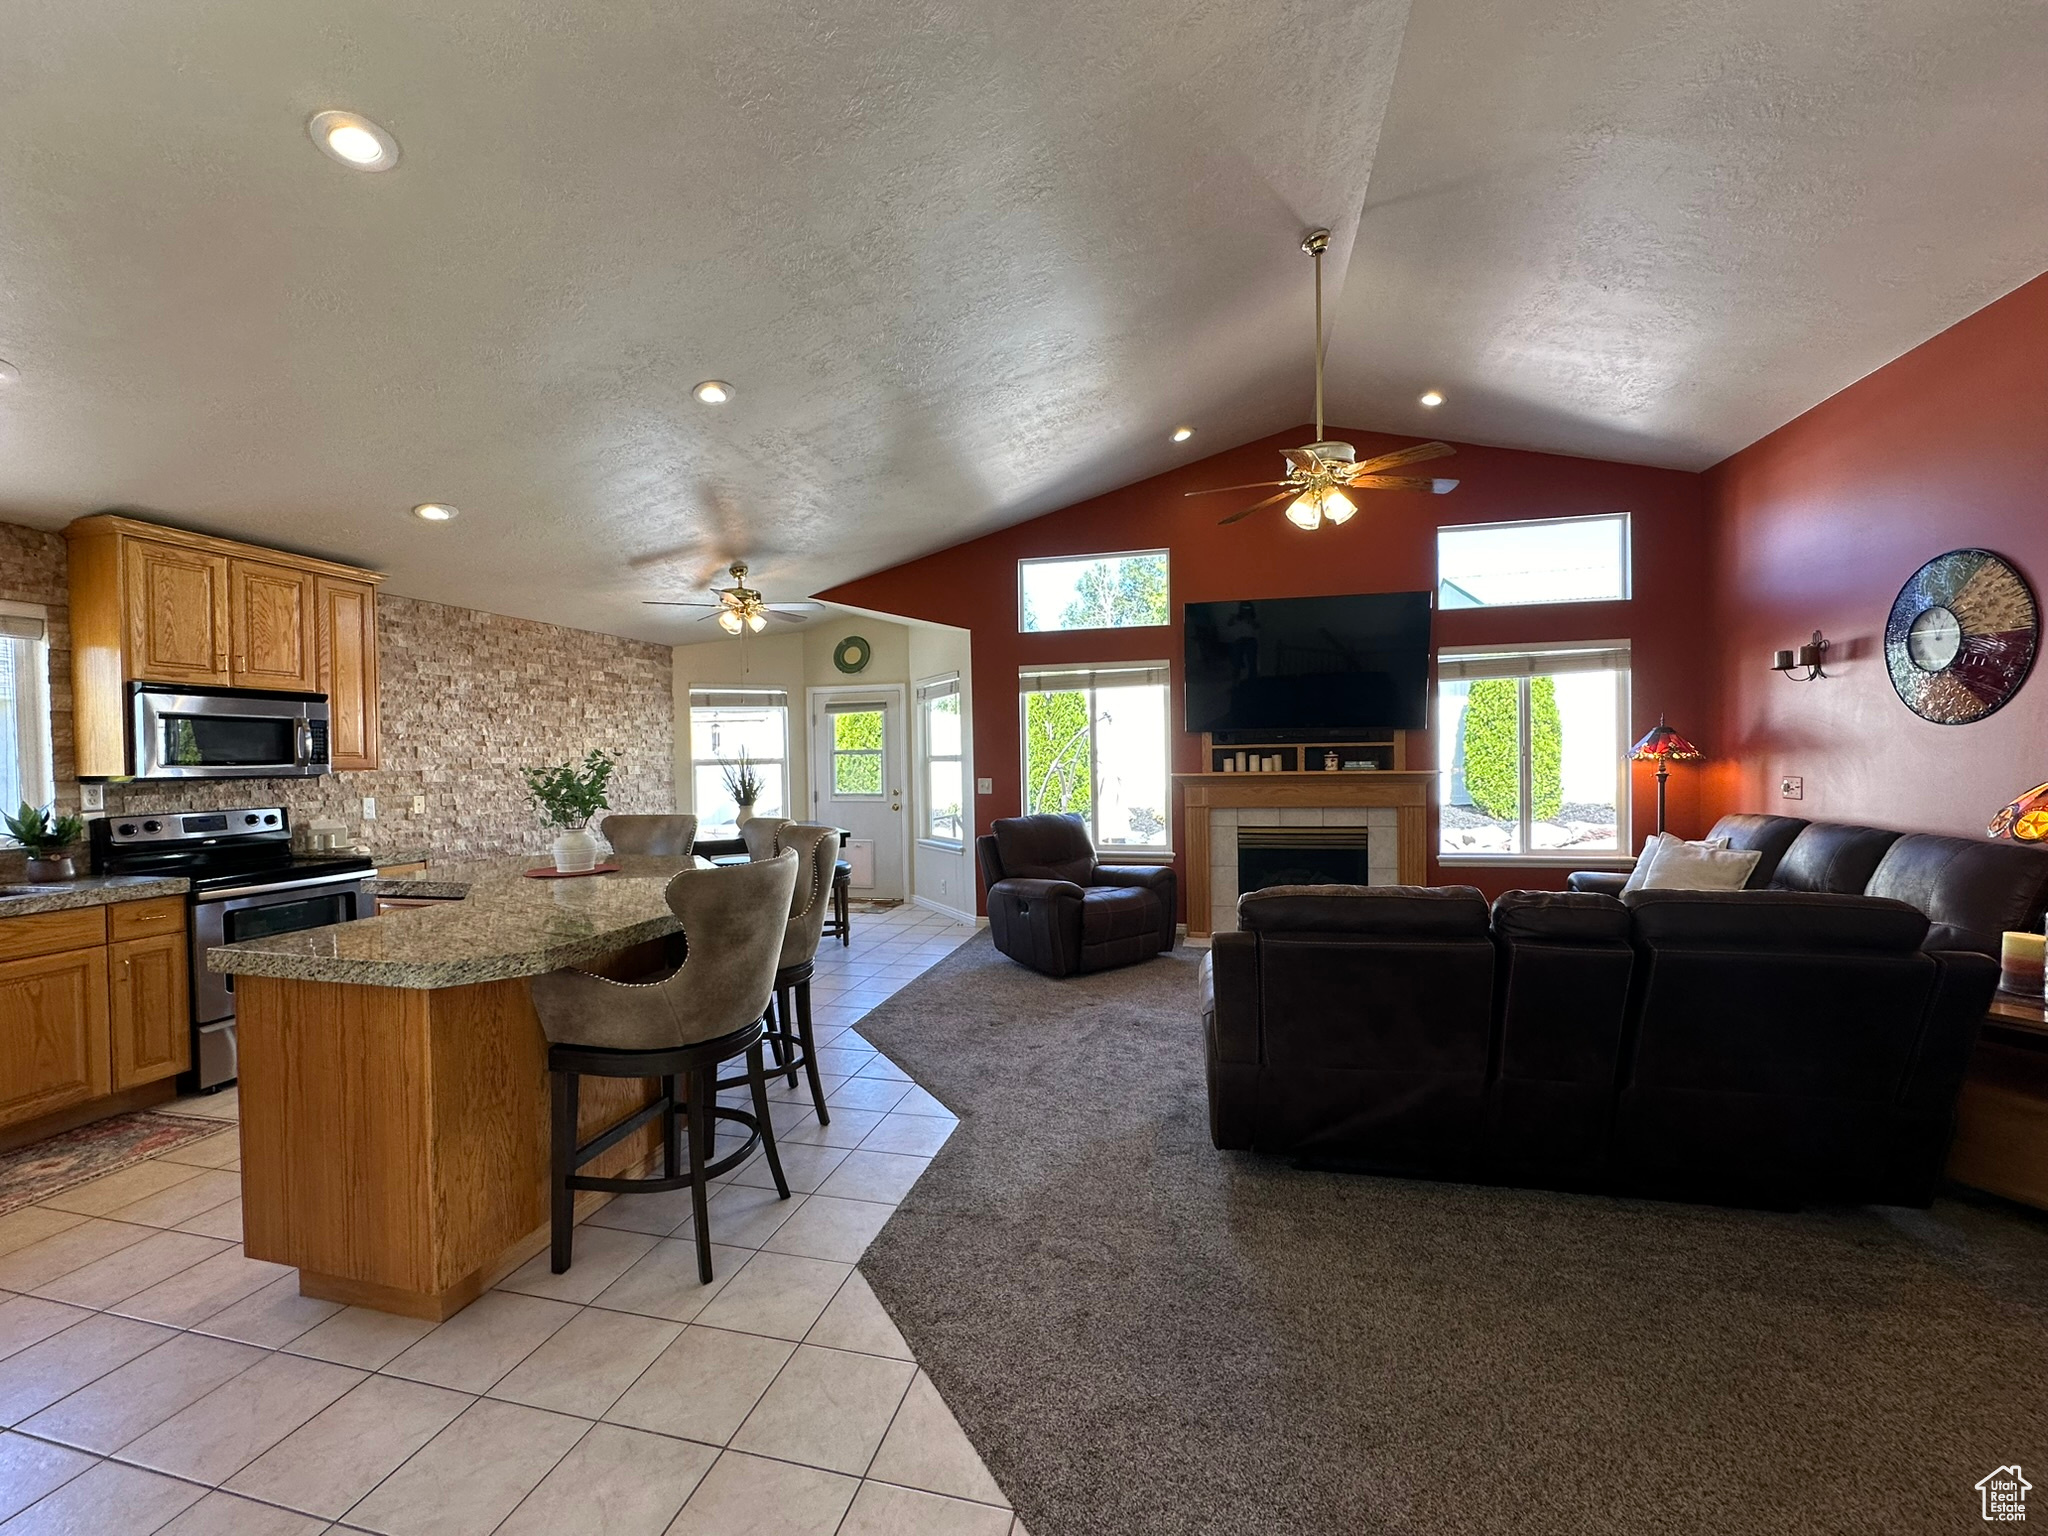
(41, 1169)
(1147, 1337)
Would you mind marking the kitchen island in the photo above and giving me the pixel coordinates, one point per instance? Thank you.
(394, 1086)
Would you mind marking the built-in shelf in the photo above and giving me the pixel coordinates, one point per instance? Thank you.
(1305, 753)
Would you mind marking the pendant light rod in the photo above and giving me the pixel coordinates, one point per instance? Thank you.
(1317, 242)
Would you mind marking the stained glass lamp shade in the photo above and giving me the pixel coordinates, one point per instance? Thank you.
(1663, 746)
(2026, 819)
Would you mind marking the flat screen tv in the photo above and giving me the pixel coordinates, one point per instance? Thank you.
(1309, 663)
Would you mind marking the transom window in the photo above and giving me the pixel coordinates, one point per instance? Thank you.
(724, 723)
(1093, 592)
(1095, 744)
(1558, 560)
(856, 750)
(25, 772)
(941, 747)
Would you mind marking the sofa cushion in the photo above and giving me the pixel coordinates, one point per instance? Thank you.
(1775, 920)
(1045, 848)
(1111, 912)
(1569, 917)
(1831, 857)
(1972, 891)
(1768, 836)
(1382, 911)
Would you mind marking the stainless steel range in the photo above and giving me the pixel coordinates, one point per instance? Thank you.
(246, 882)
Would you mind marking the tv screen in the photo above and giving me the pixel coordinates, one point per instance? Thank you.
(1309, 663)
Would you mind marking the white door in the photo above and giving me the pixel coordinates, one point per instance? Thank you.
(857, 781)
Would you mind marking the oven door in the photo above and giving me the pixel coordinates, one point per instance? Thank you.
(252, 912)
(221, 734)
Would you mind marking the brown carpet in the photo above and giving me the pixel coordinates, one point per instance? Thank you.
(43, 1168)
(1145, 1335)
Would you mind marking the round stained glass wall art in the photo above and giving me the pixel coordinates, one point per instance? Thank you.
(1961, 637)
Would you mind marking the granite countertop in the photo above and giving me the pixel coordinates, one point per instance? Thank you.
(505, 926)
(24, 898)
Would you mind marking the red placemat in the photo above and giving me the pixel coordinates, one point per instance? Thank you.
(549, 872)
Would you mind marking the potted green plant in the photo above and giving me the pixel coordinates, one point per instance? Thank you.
(568, 795)
(743, 784)
(46, 836)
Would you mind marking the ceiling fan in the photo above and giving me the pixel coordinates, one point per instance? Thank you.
(740, 607)
(1318, 475)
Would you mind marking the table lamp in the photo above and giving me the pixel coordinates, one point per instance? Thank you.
(1663, 746)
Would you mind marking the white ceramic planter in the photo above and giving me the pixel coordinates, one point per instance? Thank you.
(746, 813)
(575, 852)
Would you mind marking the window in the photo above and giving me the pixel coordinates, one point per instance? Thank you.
(25, 773)
(1093, 592)
(856, 750)
(1095, 744)
(940, 749)
(1532, 749)
(725, 722)
(1563, 560)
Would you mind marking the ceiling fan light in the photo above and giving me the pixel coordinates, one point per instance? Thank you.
(1338, 507)
(1442, 487)
(1304, 513)
(729, 621)
(757, 621)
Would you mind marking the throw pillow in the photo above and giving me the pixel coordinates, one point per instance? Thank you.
(1648, 858)
(1683, 866)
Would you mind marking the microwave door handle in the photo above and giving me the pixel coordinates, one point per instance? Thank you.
(305, 746)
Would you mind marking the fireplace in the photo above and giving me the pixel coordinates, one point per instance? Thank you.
(1302, 856)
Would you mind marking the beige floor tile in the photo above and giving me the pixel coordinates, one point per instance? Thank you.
(272, 1317)
(207, 1287)
(31, 1468)
(830, 1229)
(182, 1201)
(77, 1245)
(64, 1362)
(472, 1475)
(213, 1152)
(919, 1102)
(106, 1500)
(803, 1167)
(916, 1135)
(841, 1060)
(778, 1294)
(26, 1320)
(361, 1337)
(483, 1341)
(231, 1426)
(1017, 1528)
(616, 1482)
(880, 1510)
(587, 1366)
(882, 1176)
(876, 1093)
(703, 1386)
(746, 1216)
(31, 1224)
(849, 1128)
(601, 1255)
(223, 1221)
(746, 1494)
(106, 1194)
(665, 1283)
(223, 1514)
(926, 1448)
(883, 1067)
(330, 1462)
(224, 1105)
(122, 1273)
(856, 1321)
(826, 1409)
(134, 1398)
(657, 1214)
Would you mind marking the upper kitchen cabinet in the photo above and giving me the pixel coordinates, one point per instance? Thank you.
(160, 605)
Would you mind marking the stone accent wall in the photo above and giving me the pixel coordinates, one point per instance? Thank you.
(467, 699)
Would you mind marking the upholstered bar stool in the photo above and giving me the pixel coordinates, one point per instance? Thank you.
(735, 923)
(664, 837)
(789, 1022)
(837, 925)
(762, 836)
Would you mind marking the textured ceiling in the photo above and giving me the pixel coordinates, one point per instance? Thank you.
(965, 262)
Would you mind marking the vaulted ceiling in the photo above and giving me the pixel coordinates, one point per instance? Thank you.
(964, 262)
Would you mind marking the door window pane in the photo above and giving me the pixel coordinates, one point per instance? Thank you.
(857, 753)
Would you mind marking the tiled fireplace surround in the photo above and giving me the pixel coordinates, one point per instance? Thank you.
(1381, 822)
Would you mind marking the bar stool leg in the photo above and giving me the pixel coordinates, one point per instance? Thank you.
(671, 1132)
(810, 1048)
(562, 1163)
(702, 1092)
(839, 909)
(777, 1020)
(760, 1084)
(789, 1026)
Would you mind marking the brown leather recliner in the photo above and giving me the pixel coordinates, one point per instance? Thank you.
(1052, 907)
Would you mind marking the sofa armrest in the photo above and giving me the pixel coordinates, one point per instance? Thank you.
(1601, 882)
(1020, 889)
(1230, 998)
(1962, 995)
(1158, 877)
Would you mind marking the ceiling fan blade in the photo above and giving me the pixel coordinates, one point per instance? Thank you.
(1403, 483)
(787, 617)
(670, 602)
(1287, 495)
(1413, 455)
(1256, 485)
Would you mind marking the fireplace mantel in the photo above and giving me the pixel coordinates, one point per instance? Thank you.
(1298, 795)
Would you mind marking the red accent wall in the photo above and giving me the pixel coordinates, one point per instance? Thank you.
(1390, 546)
(1819, 525)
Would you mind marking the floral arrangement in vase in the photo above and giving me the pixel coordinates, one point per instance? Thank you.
(46, 836)
(568, 795)
(743, 784)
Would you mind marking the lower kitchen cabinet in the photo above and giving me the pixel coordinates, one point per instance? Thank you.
(151, 1009)
(55, 1046)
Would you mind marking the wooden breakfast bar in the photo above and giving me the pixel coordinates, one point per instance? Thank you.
(394, 1084)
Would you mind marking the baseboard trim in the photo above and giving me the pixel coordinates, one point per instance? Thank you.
(945, 911)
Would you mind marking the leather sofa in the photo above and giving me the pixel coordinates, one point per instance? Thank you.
(1053, 907)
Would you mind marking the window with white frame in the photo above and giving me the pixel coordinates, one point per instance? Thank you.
(1552, 560)
(1095, 745)
(941, 748)
(727, 724)
(1532, 751)
(25, 768)
(1127, 591)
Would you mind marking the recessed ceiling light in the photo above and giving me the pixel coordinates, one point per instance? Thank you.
(355, 141)
(1182, 434)
(714, 391)
(9, 374)
(435, 512)
(1432, 400)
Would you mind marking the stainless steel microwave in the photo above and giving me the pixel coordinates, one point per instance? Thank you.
(227, 733)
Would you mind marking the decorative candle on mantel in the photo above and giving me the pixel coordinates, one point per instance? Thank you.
(2020, 962)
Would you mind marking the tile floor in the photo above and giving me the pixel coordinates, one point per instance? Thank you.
(153, 1379)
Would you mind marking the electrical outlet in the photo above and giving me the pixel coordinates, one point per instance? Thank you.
(1792, 787)
(945, 887)
(92, 797)
(419, 805)
(984, 786)
(369, 807)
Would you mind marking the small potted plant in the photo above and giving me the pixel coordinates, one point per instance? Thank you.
(46, 836)
(744, 785)
(568, 795)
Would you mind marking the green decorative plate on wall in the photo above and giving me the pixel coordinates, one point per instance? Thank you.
(1961, 637)
(852, 654)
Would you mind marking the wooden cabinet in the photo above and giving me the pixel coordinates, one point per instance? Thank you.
(149, 1009)
(160, 605)
(54, 1043)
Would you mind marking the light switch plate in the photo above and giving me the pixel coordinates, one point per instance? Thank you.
(419, 805)
(1792, 787)
(369, 807)
(92, 797)
(984, 786)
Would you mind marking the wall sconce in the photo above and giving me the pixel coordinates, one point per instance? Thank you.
(1809, 656)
